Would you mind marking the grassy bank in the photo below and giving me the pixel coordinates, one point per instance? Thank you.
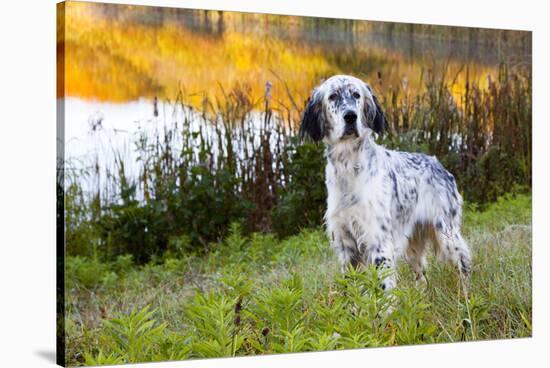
(259, 295)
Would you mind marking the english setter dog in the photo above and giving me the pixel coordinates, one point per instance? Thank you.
(382, 204)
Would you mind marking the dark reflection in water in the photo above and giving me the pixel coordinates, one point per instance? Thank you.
(470, 45)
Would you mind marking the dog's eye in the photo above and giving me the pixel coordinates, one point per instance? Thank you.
(356, 95)
(333, 97)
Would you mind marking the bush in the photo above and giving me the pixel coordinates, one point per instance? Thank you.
(84, 272)
(496, 173)
(302, 204)
(186, 218)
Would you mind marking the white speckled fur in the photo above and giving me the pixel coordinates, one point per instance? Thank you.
(382, 204)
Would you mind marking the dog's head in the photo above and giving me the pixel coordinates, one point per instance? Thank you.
(342, 108)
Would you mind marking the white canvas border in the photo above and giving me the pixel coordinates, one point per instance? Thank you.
(27, 187)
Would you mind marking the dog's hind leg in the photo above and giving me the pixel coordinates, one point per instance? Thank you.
(416, 251)
(453, 248)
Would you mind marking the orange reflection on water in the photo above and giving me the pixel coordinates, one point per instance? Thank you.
(120, 59)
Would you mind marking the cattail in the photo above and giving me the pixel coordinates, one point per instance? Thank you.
(155, 107)
(239, 306)
(267, 95)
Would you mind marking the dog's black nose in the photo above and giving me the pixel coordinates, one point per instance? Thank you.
(350, 117)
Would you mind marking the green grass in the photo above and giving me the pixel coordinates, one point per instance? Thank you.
(261, 295)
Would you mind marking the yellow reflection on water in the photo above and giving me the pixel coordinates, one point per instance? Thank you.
(119, 59)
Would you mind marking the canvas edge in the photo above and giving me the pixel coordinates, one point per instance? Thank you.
(60, 185)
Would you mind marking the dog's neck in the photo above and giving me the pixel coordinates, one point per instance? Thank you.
(351, 154)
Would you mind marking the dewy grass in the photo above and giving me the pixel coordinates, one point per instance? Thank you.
(259, 295)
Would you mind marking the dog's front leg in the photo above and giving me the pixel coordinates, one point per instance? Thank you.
(380, 253)
(345, 248)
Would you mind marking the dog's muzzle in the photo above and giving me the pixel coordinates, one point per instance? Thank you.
(350, 117)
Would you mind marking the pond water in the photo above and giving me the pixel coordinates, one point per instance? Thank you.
(118, 59)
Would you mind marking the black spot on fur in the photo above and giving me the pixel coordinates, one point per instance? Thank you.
(464, 265)
(394, 184)
(378, 261)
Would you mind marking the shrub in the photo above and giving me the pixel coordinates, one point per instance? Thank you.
(302, 204)
(132, 338)
(496, 173)
(84, 272)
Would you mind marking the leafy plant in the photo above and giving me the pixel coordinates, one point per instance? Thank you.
(216, 326)
(134, 337)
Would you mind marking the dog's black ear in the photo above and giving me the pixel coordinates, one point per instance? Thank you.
(379, 123)
(376, 119)
(313, 119)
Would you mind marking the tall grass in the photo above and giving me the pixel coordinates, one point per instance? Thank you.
(483, 136)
